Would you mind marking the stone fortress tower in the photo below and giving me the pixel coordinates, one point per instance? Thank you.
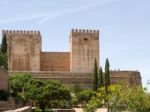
(25, 54)
(73, 68)
(84, 49)
(24, 50)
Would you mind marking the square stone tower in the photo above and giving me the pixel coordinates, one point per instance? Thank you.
(84, 48)
(24, 50)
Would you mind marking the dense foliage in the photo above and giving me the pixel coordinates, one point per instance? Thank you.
(84, 96)
(120, 98)
(50, 94)
(18, 82)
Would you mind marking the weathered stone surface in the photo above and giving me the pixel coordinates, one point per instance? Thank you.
(85, 79)
(24, 50)
(129, 77)
(55, 61)
(84, 46)
(7, 105)
(3, 79)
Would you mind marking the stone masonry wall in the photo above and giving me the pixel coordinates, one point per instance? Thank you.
(55, 61)
(129, 77)
(24, 48)
(85, 79)
(84, 45)
(3, 79)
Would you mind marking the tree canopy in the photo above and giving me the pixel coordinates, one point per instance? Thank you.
(120, 98)
(44, 94)
(48, 94)
(19, 81)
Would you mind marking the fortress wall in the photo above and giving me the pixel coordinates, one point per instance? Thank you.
(3, 79)
(84, 80)
(129, 77)
(55, 61)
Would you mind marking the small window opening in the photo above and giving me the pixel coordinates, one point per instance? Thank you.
(85, 39)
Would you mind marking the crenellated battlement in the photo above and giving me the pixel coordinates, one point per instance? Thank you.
(20, 32)
(85, 31)
(80, 33)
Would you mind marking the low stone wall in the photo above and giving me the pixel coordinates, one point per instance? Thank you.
(78, 110)
(23, 109)
(7, 105)
(84, 80)
(63, 110)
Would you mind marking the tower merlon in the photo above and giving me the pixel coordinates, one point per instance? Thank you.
(85, 31)
(21, 32)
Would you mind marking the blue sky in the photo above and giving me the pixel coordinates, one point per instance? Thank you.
(124, 27)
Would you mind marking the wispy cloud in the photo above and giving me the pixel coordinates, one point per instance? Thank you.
(66, 12)
(47, 16)
(23, 18)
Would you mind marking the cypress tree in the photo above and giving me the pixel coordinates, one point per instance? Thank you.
(4, 44)
(101, 82)
(3, 60)
(95, 78)
(107, 76)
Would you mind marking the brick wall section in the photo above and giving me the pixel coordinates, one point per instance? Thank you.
(55, 61)
(3, 79)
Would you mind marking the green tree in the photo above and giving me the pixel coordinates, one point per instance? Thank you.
(119, 98)
(3, 60)
(95, 78)
(92, 105)
(107, 75)
(18, 82)
(4, 44)
(34, 91)
(84, 96)
(58, 95)
(100, 81)
(48, 94)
